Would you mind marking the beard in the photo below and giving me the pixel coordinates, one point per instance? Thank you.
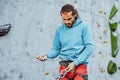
(69, 25)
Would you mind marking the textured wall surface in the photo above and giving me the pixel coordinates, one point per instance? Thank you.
(33, 26)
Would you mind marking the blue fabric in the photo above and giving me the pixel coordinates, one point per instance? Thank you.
(75, 43)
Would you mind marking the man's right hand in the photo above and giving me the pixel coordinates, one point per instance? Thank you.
(42, 57)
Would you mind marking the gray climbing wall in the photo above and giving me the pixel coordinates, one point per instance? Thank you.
(33, 26)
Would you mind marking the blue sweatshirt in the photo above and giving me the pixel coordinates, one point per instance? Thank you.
(74, 44)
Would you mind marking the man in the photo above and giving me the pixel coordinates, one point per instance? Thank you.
(73, 43)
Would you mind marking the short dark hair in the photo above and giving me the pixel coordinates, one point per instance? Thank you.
(68, 8)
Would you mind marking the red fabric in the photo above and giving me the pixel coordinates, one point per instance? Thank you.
(80, 69)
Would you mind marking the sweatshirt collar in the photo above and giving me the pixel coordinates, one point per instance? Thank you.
(78, 21)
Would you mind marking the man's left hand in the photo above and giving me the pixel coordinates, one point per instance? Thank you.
(71, 67)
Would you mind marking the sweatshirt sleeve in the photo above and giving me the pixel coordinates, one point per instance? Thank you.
(88, 43)
(56, 46)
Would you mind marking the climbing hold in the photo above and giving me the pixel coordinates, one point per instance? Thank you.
(105, 30)
(102, 70)
(119, 68)
(113, 41)
(46, 72)
(113, 25)
(4, 29)
(105, 41)
(98, 24)
(104, 12)
(119, 21)
(112, 67)
(75, 2)
(114, 45)
(110, 53)
(100, 52)
(113, 34)
(100, 37)
(100, 11)
(113, 11)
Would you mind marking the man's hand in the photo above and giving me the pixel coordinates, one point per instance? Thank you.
(71, 67)
(42, 57)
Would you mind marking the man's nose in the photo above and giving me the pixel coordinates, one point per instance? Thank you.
(66, 21)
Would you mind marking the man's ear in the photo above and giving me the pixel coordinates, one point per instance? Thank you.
(75, 15)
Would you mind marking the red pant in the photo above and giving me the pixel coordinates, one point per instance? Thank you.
(80, 69)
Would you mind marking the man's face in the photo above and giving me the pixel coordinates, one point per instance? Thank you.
(68, 18)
